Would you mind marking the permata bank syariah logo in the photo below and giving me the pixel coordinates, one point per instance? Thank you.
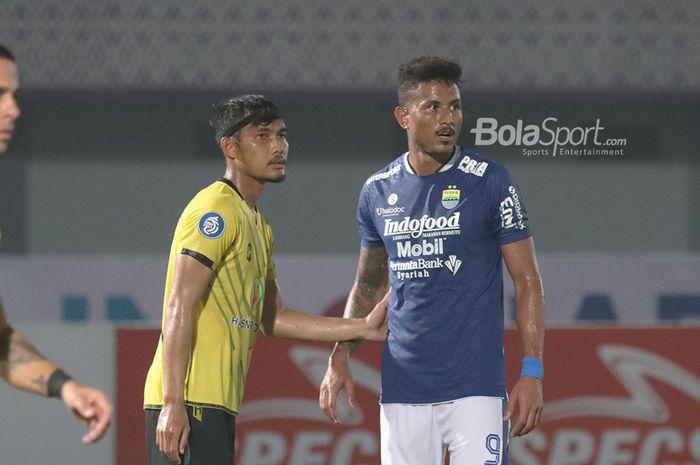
(640, 373)
(548, 139)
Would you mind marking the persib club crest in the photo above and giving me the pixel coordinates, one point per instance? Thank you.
(450, 197)
(211, 225)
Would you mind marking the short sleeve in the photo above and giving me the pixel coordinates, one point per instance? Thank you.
(509, 216)
(369, 237)
(206, 231)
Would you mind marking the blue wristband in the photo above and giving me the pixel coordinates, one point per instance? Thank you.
(532, 366)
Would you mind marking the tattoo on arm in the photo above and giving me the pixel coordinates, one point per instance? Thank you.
(15, 349)
(370, 282)
(41, 383)
(22, 352)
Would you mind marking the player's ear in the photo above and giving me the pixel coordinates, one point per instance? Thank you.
(228, 147)
(401, 115)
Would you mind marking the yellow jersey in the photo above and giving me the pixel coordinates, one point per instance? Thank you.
(219, 229)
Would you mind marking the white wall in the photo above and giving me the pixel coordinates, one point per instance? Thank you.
(132, 207)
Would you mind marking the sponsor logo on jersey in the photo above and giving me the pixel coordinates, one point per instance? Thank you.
(422, 267)
(426, 247)
(421, 263)
(512, 211)
(450, 197)
(414, 269)
(427, 225)
(392, 211)
(453, 263)
(384, 175)
(469, 166)
(211, 225)
(244, 323)
(393, 198)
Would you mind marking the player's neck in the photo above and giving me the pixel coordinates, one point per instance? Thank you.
(425, 164)
(249, 188)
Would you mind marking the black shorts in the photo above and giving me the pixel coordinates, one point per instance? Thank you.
(211, 437)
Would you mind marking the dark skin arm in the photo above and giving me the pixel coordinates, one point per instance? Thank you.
(286, 323)
(525, 403)
(23, 367)
(369, 287)
(190, 281)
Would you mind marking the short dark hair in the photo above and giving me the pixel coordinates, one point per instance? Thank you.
(6, 53)
(424, 69)
(232, 114)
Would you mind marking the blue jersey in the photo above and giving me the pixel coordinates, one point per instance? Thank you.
(443, 234)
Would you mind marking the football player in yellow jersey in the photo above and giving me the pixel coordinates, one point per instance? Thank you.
(21, 365)
(221, 290)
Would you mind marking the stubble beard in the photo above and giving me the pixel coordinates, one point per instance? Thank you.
(272, 179)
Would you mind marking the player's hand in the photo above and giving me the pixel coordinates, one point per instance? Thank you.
(90, 405)
(173, 430)
(337, 377)
(377, 320)
(526, 404)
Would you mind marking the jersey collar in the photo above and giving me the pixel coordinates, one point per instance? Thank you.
(445, 167)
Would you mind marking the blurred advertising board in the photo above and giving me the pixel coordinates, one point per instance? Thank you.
(613, 396)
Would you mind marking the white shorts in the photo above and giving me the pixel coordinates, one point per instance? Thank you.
(471, 429)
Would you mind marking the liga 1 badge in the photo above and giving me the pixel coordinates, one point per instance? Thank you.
(211, 225)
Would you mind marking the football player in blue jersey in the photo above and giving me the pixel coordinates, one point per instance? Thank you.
(436, 225)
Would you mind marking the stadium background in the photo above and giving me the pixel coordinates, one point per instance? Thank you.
(113, 142)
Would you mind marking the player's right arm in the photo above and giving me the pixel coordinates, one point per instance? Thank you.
(190, 281)
(369, 287)
(21, 365)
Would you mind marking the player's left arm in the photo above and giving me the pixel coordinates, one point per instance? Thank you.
(286, 323)
(525, 403)
(24, 367)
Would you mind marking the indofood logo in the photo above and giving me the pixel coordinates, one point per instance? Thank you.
(551, 138)
(417, 227)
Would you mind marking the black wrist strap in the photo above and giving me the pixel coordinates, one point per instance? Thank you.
(56, 381)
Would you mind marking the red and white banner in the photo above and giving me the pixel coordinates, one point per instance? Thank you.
(616, 397)
(612, 397)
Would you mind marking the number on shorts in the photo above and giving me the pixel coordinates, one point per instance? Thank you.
(493, 445)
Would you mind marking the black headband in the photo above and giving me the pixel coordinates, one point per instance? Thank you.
(265, 114)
